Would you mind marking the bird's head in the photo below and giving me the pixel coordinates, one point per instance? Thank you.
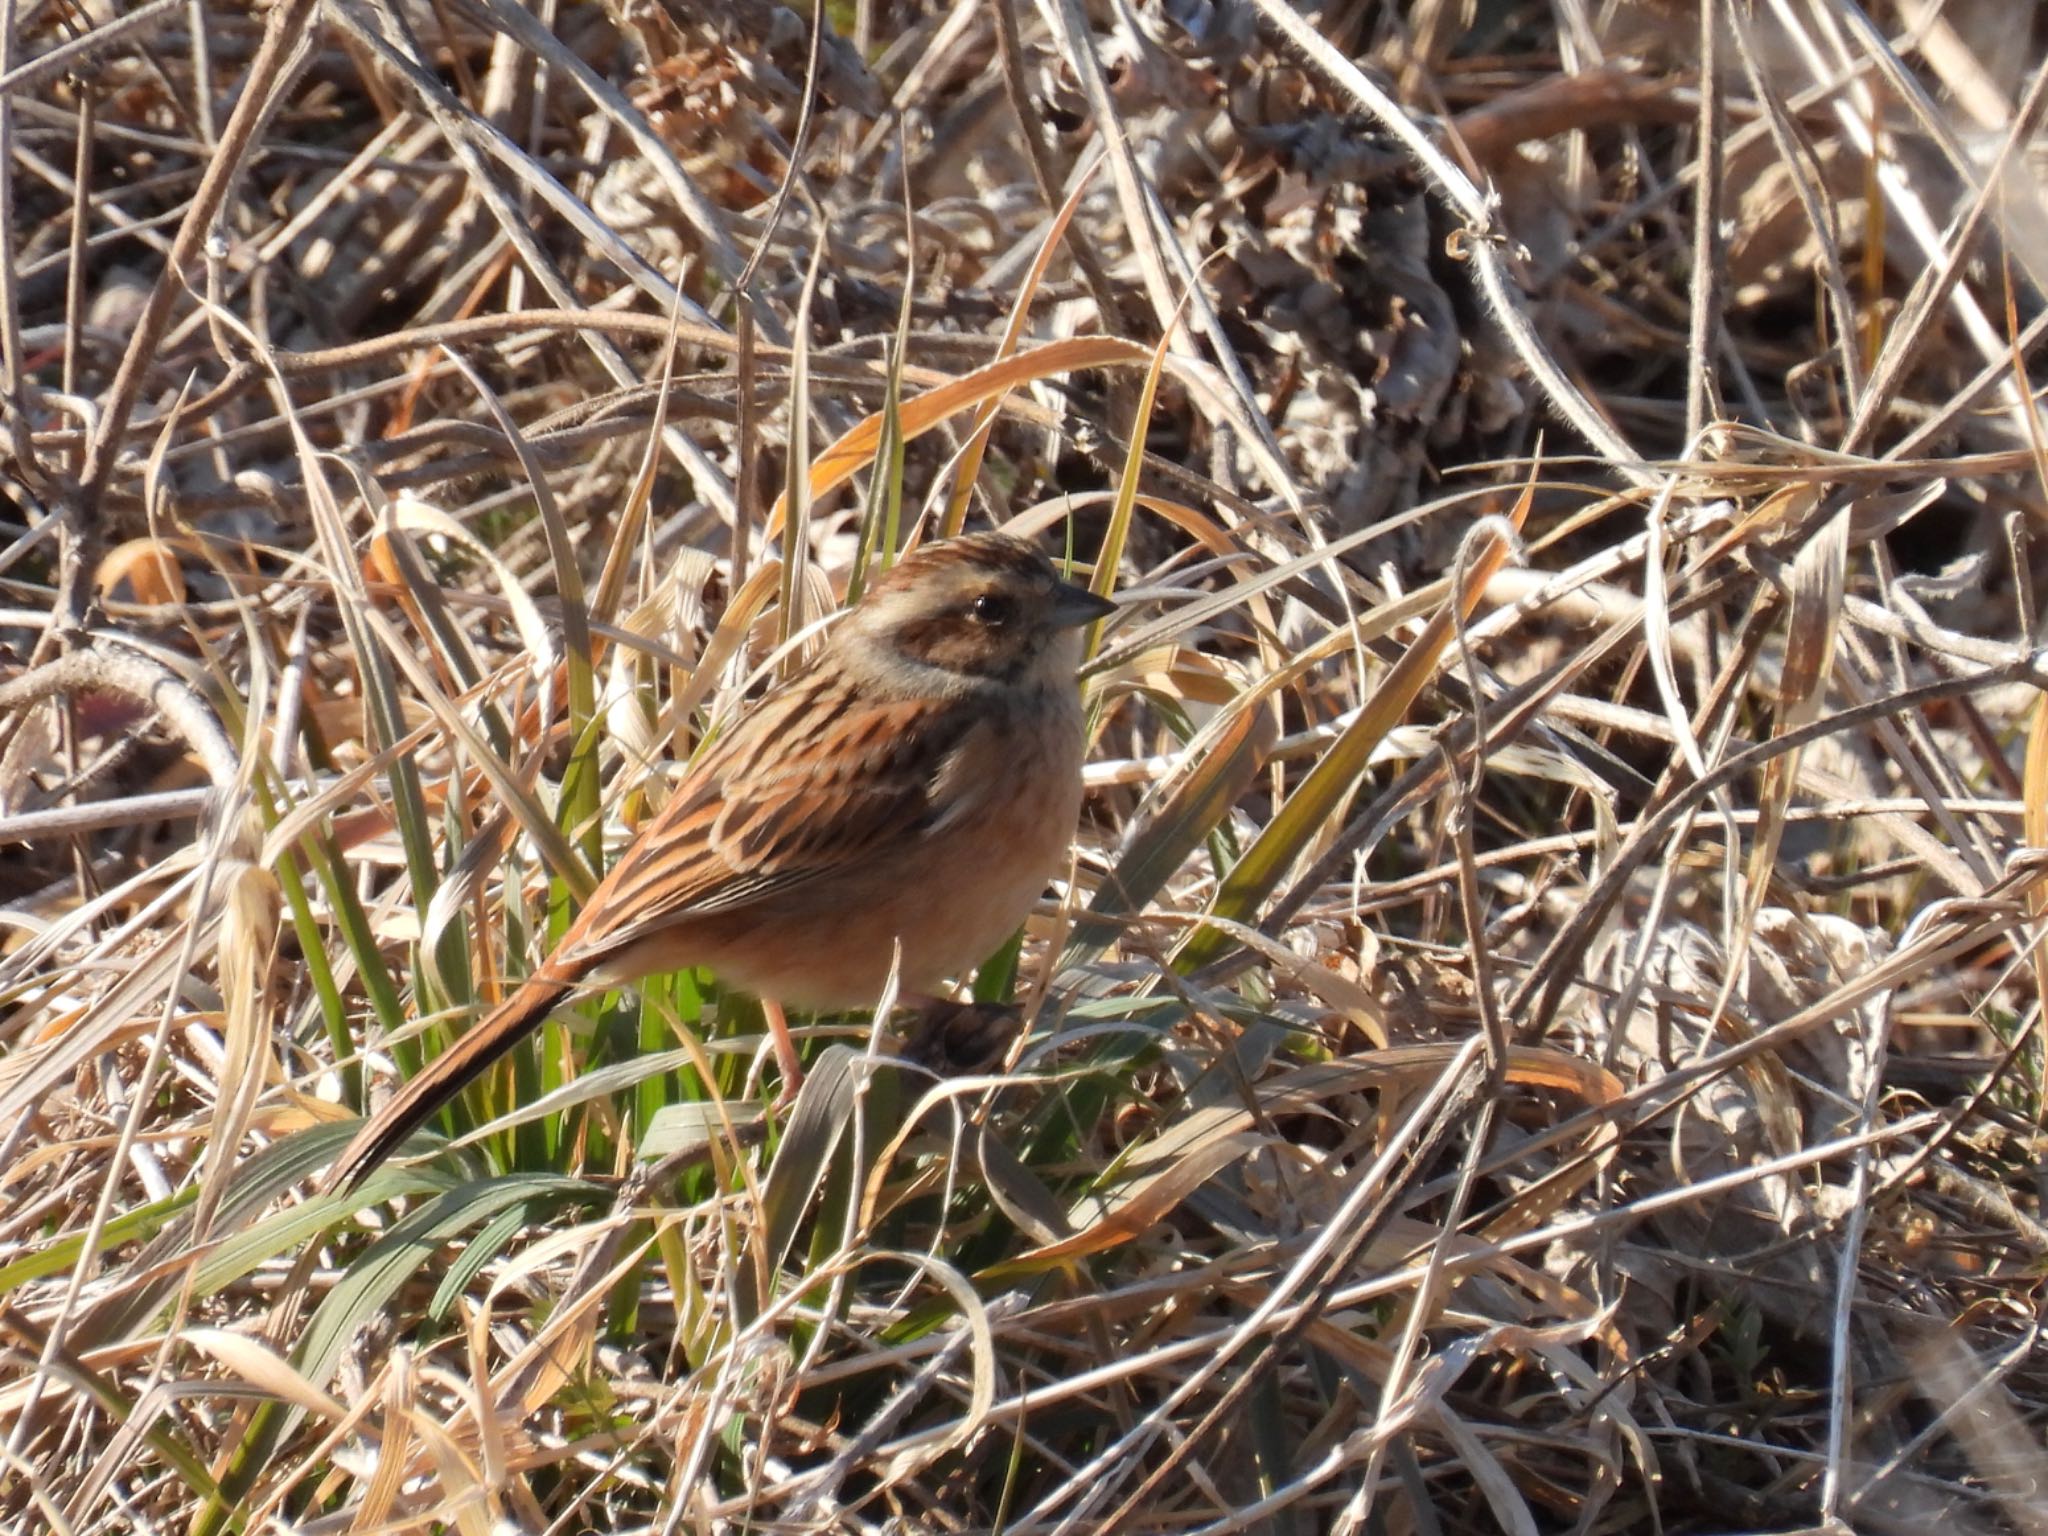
(986, 607)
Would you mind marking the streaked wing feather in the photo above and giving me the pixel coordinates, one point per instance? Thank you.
(811, 784)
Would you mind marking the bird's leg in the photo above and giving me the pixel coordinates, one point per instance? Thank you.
(785, 1051)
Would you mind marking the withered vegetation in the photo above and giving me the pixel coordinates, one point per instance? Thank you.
(1542, 1028)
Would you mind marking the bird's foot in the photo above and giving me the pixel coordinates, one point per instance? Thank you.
(955, 1038)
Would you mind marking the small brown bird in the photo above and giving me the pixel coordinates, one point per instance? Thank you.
(917, 785)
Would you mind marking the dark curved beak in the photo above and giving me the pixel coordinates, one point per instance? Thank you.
(1074, 606)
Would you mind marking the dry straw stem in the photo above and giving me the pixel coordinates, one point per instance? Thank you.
(1554, 1045)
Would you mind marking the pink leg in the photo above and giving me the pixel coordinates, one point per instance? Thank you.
(785, 1050)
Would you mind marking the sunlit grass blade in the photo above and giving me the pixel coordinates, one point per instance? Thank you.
(1224, 760)
(1296, 824)
(881, 524)
(1118, 533)
(798, 491)
(368, 1287)
(968, 466)
(856, 448)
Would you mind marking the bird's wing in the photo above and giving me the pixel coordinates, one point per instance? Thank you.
(811, 783)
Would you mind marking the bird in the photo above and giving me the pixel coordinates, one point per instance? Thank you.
(915, 787)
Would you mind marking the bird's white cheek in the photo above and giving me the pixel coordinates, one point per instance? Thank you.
(1062, 654)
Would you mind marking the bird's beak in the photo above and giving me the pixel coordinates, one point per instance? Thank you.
(1074, 606)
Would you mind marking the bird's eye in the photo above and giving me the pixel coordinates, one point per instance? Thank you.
(992, 608)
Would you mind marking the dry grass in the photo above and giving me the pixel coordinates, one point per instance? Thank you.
(1542, 1032)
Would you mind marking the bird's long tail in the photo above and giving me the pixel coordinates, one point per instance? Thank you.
(446, 1076)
